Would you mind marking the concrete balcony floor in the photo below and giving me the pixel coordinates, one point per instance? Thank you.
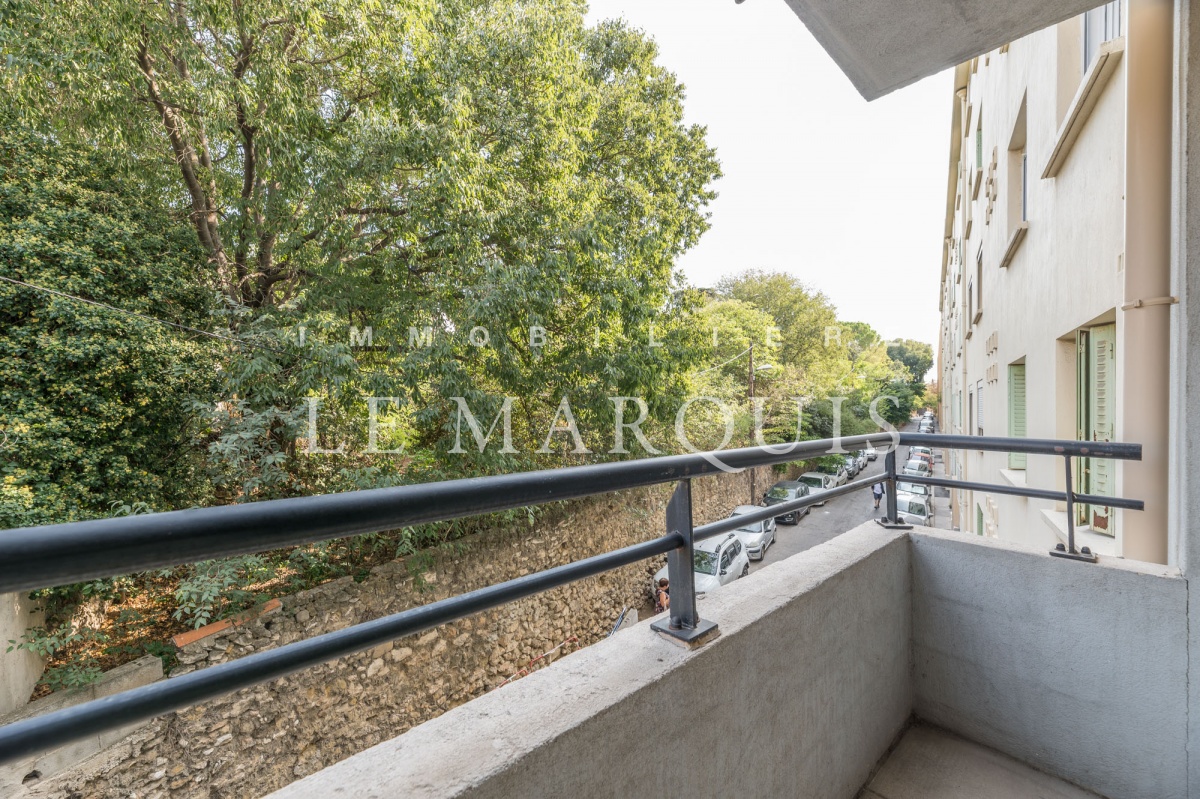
(930, 763)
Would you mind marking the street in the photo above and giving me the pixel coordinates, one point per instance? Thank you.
(845, 513)
(825, 522)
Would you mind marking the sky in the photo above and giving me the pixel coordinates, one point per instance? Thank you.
(848, 196)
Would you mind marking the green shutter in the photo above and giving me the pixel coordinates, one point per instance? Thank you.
(1101, 414)
(1016, 411)
(1083, 426)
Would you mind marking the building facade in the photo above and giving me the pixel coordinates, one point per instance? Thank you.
(1055, 286)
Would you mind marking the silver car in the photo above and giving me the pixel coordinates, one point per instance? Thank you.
(756, 536)
(914, 509)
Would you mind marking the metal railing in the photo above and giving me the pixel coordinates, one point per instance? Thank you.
(38, 557)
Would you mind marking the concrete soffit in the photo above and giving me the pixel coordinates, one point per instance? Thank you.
(883, 45)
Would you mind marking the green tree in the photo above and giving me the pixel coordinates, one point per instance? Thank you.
(917, 358)
(466, 163)
(98, 405)
(807, 321)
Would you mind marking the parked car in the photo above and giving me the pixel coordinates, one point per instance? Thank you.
(818, 483)
(920, 450)
(758, 536)
(918, 468)
(925, 426)
(922, 456)
(860, 460)
(716, 561)
(787, 491)
(851, 464)
(914, 509)
(838, 472)
(871, 452)
(919, 489)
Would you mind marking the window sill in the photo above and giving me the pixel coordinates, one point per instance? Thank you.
(1014, 242)
(1056, 520)
(1102, 68)
(1014, 477)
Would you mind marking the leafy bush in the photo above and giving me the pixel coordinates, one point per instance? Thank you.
(97, 403)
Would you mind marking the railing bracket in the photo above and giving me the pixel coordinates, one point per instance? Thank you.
(889, 525)
(1085, 554)
(693, 638)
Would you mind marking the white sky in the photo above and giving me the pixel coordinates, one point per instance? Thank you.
(849, 196)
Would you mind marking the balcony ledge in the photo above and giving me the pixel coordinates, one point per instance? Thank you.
(1014, 477)
(1056, 520)
(1102, 68)
(1014, 242)
(823, 660)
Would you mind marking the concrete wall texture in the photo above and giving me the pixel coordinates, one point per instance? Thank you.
(19, 670)
(13, 776)
(257, 740)
(805, 689)
(1080, 670)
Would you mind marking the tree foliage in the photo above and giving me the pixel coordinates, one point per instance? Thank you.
(98, 405)
(917, 357)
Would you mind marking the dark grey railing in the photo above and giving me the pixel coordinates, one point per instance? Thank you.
(37, 557)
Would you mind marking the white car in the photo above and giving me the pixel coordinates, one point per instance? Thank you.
(920, 489)
(871, 452)
(838, 473)
(817, 483)
(716, 561)
(861, 457)
(914, 509)
(758, 536)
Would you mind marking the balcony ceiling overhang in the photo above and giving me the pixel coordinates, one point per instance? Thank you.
(883, 45)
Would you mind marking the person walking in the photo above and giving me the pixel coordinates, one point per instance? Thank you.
(877, 492)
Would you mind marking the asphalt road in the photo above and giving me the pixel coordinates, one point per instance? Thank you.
(825, 522)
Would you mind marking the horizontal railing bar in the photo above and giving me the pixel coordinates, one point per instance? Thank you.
(1030, 446)
(734, 522)
(39, 557)
(65, 726)
(51, 730)
(1018, 491)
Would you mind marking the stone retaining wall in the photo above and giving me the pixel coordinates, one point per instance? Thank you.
(257, 740)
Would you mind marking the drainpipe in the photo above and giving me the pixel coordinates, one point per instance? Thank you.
(958, 520)
(1144, 321)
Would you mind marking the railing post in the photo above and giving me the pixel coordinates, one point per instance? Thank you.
(891, 519)
(1069, 550)
(683, 624)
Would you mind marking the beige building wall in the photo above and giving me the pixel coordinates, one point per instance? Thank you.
(1042, 280)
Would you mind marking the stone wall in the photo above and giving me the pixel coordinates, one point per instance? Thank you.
(257, 740)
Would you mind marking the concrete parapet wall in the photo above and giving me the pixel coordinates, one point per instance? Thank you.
(15, 777)
(20, 669)
(1077, 669)
(259, 739)
(801, 695)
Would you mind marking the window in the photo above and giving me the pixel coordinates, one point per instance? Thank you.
(1095, 412)
(977, 306)
(970, 411)
(1018, 173)
(1016, 411)
(979, 407)
(1100, 25)
(1024, 186)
